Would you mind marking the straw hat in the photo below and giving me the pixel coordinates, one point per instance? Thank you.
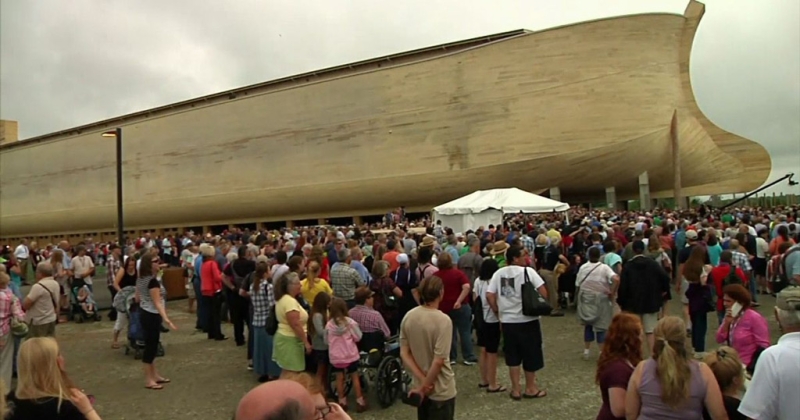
(499, 247)
(427, 242)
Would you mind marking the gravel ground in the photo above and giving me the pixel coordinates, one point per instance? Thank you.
(208, 378)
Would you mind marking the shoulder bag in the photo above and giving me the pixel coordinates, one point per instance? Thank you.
(533, 304)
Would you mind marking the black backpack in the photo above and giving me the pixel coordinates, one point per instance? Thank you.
(732, 278)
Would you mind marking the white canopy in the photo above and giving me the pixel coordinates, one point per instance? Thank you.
(483, 208)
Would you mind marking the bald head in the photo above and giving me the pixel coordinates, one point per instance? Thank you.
(276, 400)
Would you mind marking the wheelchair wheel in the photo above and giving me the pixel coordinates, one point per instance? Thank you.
(348, 383)
(389, 381)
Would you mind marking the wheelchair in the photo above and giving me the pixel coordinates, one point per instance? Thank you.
(380, 366)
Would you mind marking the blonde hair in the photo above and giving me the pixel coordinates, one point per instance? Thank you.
(5, 279)
(207, 251)
(672, 360)
(57, 257)
(727, 367)
(39, 375)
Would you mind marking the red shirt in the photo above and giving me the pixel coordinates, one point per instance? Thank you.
(454, 281)
(210, 278)
(325, 271)
(718, 275)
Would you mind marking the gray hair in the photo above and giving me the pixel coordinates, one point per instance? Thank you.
(232, 256)
(789, 320)
(45, 269)
(473, 241)
(343, 254)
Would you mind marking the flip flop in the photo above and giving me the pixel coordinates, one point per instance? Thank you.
(515, 397)
(154, 387)
(541, 394)
(496, 390)
(163, 381)
(483, 385)
(115, 346)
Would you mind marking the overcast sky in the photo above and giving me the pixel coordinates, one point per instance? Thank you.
(67, 63)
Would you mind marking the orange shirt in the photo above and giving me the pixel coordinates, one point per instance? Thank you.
(391, 258)
(773, 246)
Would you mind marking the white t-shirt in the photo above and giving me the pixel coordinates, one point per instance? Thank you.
(595, 276)
(762, 247)
(507, 285)
(481, 287)
(81, 266)
(773, 391)
(21, 252)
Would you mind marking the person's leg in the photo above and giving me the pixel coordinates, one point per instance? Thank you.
(112, 314)
(482, 367)
(588, 338)
(699, 329)
(464, 323)
(208, 312)
(7, 360)
(454, 338)
(202, 316)
(491, 371)
(512, 348)
(752, 287)
(532, 356)
(215, 328)
(360, 401)
(151, 327)
(250, 337)
(237, 319)
(601, 339)
(340, 388)
(552, 290)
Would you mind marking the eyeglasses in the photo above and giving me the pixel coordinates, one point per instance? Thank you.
(323, 412)
(721, 353)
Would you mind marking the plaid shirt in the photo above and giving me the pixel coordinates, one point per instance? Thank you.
(369, 320)
(528, 243)
(262, 301)
(742, 261)
(345, 280)
(112, 266)
(9, 306)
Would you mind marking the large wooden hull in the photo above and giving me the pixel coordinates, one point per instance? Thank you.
(581, 107)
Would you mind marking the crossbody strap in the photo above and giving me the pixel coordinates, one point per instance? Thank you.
(588, 274)
(52, 298)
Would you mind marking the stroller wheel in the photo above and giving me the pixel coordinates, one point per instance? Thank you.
(98, 317)
(78, 319)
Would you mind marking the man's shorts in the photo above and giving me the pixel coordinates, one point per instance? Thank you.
(649, 322)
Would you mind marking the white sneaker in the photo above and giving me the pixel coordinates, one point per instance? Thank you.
(586, 355)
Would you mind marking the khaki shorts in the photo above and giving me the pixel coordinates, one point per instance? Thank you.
(649, 322)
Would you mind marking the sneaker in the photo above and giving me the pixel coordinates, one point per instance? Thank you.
(250, 366)
(470, 363)
(453, 363)
(586, 355)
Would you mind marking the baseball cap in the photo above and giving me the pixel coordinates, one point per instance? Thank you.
(402, 259)
(789, 299)
(691, 234)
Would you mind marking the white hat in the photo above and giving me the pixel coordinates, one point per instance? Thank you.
(402, 259)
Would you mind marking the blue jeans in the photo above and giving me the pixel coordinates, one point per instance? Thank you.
(462, 326)
(699, 330)
(589, 335)
(752, 287)
(201, 306)
(18, 293)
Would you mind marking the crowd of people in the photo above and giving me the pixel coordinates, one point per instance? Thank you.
(308, 300)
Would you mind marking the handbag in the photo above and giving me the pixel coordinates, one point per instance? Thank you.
(533, 304)
(19, 328)
(271, 323)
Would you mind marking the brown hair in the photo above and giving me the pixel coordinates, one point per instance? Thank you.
(738, 293)
(672, 360)
(623, 342)
(430, 289)
(258, 276)
(319, 306)
(338, 310)
(727, 367)
(317, 254)
(146, 265)
(310, 383)
(445, 261)
(693, 268)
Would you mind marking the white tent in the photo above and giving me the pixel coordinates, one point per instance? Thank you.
(483, 208)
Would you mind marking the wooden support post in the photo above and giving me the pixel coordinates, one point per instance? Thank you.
(555, 193)
(676, 163)
(644, 192)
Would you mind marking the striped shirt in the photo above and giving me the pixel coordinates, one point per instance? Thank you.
(143, 286)
(742, 261)
(261, 301)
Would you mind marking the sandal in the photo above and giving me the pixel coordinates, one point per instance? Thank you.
(163, 381)
(483, 385)
(115, 346)
(515, 397)
(541, 394)
(154, 387)
(496, 390)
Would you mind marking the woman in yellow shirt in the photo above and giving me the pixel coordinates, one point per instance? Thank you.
(291, 340)
(312, 285)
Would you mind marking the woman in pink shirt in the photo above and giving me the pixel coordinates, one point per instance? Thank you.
(744, 329)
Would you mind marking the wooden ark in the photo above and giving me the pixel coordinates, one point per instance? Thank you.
(580, 107)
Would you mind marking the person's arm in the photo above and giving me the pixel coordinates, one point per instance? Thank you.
(15, 269)
(319, 327)
(155, 295)
(118, 278)
(465, 288)
(397, 292)
(384, 328)
(633, 402)
(614, 287)
(616, 401)
(293, 318)
(226, 278)
(356, 331)
(83, 405)
(713, 401)
(760, 331)
(357, 280)
(724, 328)
(411, 363)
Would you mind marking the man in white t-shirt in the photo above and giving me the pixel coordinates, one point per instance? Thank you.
(41, 303)
(82, 266)
(522, 334)
(22, 253)
(773, 392)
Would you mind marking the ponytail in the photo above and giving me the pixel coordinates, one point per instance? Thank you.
(258, 276)
(673, 372)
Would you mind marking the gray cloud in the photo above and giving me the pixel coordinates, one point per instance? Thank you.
(69, 63)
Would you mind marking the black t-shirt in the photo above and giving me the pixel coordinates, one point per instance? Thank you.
(685, 253)
(42, 409)
(731, 406)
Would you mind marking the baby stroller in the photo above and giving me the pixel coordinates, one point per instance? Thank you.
(79, 315)
(135, 332)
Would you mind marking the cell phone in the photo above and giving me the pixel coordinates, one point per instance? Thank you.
(736, 308)
(413, 399)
